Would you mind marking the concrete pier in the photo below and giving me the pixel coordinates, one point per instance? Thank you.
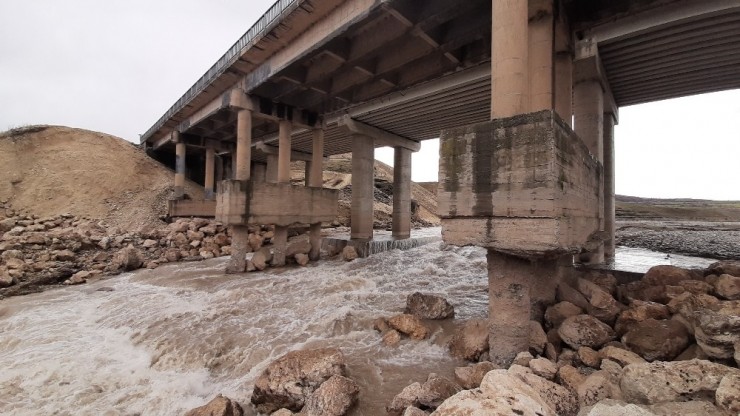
(180, 150)
(401, 224)
(315, 179)
(210, 174)
(280, 240)
(363, 160)
(242, 172)
(609, 187)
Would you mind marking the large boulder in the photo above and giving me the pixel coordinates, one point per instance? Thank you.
(731, 267)
(428, 395)
(292, 378)
(717, 328)
(219, 406)
(559, 312)
(661, 382)
(335, 397)
(470, 340)
(500, 394)
(298, 245)
(728, 393)
(557, 397)
(585, 331)
(728, 287)
(666, 275)
(470, 377)
(6, 279)
(657, 340)
(128, 258)
(409, 325)
(428, 306)
(601, 304)
(596, 387)
(638, 312)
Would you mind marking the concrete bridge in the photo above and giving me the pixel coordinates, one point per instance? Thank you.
(524, 95)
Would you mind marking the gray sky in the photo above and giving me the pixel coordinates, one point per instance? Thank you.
(116, 66)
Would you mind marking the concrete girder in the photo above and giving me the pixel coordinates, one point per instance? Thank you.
(380, 136)
(273, 150)
(587, 66)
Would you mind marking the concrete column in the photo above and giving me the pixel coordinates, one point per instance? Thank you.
(242, 172)
(179, 168)
(280, 240)
(219, 169)
(541, 47)
(271, 171)
(401, 193)
(259, 173)
(564, 86)
(232, 165)
(363, 158)
(509, 58)
(609, 189)
(588, 114)
(210, 173)
(315, 179)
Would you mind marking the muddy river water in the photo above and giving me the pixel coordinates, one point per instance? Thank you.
(160, 342)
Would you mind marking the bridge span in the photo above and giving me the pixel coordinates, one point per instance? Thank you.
(524, 95)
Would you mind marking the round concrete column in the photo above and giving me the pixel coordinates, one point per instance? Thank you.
(401, 193)
(363, 184)
(280, 240)
(210, 178)
(609, 188)
(180, 154)
(509, 58)
(315, 179)
(242, 172)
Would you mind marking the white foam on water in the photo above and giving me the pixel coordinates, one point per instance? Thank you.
(167, 340)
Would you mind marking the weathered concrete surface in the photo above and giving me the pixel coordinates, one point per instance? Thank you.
(402, 193)
(524, 185)
(362, 187)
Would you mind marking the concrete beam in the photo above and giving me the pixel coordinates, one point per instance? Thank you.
(380, 136)
(587, 66)
(273, 150)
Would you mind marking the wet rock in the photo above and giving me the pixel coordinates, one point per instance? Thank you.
(620, 356)
(657, 340)
(500, 394)
(585, 331)
(349, 253)
(261, 259)
(728, 287)
(335, 397)
(391, 338)
(666, 275)
(470, 340)
(638, 312)
(470, 377)
(543, 368)
(288, 381)
(381, 325)
(301, 259)
(219, 406)
(537, 337)
(727, 395)
(556, 314)
(128, 258)
(597, 387)
(661, 382)
(409, 396)
(428, 306)
(409, 325)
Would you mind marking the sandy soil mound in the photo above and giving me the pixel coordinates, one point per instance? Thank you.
(50, 170)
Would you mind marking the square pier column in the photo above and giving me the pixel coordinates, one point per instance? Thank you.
(210, 174)
(242, 172)
(401, 193)
(315, 179)
(280, 240)
(363, 160)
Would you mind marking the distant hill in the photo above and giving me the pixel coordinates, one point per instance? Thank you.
(679, 209)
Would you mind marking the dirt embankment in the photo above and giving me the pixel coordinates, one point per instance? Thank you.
(51, 170)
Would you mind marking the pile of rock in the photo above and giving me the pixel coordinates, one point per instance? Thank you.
(419, 306)
(666, 344)
(38, 251)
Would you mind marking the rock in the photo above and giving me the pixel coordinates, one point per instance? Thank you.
(693, 408)
(585, 331)
(298, 245)
(409, 325)
(470, 340)
(428, 306)
(696, 286)
(289, 380)
(391, 338)
(543, 368)
(78, 278)
(570, 377)
(523, 359)
(149, 243)
(172, 255)
(255, 241)
(64, 255)
(7, 224)
(661, 382)
(262, 258)
(6, 280)
(250, 267)
(601, 304)
(335, 397)
(611, 407)
(436, 390)
(559, 312)
(409, 396)
(414, 411)
(301, 259)
(537, 337)
(638, 312)
(597, 387)
(500, 394)
(728, 287)
(717, 328)
(128, 258)
(693, 351)
(194, 235)
(282, 412)
(620, 356)
(731, 267)
(568, 294)
(349, 253)
(219, 406)
(727, 395)
(589, 357)
(657, 340)
(381, 325)
(557, 397)
(737, 353)
(470, 377)
(666, 275)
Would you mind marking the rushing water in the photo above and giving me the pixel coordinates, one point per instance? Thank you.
(160, 342)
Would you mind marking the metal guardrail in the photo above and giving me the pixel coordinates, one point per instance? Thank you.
(257, 30)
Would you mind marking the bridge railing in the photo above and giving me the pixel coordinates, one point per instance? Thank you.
(274, 13)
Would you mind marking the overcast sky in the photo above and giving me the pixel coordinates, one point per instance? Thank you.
(116, 66)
